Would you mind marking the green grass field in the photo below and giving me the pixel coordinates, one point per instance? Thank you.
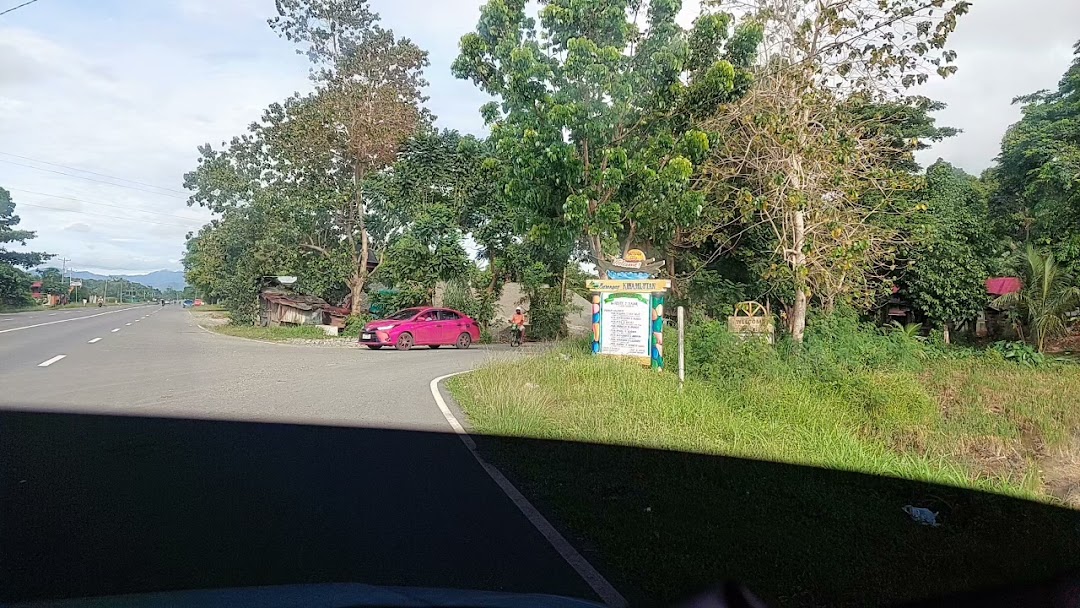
(790, 474)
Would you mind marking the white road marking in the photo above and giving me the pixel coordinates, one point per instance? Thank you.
(4, 331)
(53, 314)
(94, 340)
(51, 361)
(136, 320)
(127, 323)
(115, 330)
(592, 576)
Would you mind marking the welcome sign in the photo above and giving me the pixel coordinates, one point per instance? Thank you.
(628, 309)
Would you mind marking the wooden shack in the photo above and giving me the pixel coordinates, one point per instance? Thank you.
(279, 306)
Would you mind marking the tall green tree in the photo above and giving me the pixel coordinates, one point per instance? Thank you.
(950, 247)
(367, 102)
(801, 155)
(596, 113)
(14, 283)
(1038, 170)
(301, 172)
(10, 234)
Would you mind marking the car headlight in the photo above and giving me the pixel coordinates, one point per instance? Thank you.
(384, 327)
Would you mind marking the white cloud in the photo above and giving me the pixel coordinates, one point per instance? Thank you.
(1004, 51)
(132, 93)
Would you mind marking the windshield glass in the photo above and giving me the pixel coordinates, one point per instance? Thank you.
(403, 315)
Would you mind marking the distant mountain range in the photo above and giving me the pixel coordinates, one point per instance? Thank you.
(159, 279)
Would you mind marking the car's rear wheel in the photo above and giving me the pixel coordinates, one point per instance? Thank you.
(374, 346)
(463, 341)
(434, 346)
(404, 341)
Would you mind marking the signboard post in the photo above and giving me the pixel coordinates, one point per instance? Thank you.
(628, 310)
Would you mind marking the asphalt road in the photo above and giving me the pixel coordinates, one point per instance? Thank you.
(139, 452)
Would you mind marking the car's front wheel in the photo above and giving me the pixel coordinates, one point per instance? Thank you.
(463, 341)
(404, 341)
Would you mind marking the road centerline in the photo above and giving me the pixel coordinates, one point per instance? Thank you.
(49, 362)
(115, 330)
(94, 340)
(110, 312)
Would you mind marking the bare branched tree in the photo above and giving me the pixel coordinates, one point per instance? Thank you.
(799, 156)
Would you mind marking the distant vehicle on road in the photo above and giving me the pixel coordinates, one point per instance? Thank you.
(198, 302)
(421, 326)
(187, 303)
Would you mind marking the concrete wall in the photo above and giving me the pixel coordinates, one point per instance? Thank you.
(578, 320)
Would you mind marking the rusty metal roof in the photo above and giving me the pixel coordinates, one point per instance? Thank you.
(293, 300)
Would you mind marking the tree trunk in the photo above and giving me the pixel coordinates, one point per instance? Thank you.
(356, 284)
(669, 267)
(798, 316)
(798, 266)
(596, 248)
(494, 277)
(562, 290)
(946, 335)
(360, 271)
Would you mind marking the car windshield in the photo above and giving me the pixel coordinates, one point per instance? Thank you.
(404, 315)
(567, 297)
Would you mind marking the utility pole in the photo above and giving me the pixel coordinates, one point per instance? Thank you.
(63, 272)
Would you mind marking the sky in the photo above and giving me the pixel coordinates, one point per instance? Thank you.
(130, 88)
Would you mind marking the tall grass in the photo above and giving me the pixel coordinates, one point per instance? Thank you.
(851, 398)
(716, 505)
(273, 334)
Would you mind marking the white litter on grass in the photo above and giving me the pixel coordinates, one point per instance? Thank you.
(922, 515)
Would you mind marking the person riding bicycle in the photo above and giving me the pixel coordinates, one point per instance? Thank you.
(517, 323)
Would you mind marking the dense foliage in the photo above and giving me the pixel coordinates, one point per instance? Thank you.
(14, 282)
(768, 156)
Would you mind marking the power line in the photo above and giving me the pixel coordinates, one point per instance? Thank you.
(115, 217)
(17, 7)
(72, 198)
(90, 179)
(45, 162)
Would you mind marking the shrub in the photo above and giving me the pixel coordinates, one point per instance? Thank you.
(547, 314)
(1018, 352)
(714, 353)
(354, 323)
(459, 295)
(389, 301)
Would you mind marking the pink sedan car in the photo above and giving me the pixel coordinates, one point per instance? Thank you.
(424, 326)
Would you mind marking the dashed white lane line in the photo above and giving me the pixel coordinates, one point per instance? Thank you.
(136, 320)
(94, 340)
(610, 596)
(49, 362)
(127, 324)
(69, 320)
(53, 314)
(115, 330)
